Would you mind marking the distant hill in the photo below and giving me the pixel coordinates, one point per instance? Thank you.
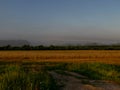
(14, 42)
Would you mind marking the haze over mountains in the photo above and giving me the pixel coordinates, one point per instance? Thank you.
(14, 42)
(53, 42)
(74, 42)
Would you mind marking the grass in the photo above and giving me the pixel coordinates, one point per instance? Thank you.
(28, 70)
(35, 76)
(95, 71)
(15, 77)
(98, 71)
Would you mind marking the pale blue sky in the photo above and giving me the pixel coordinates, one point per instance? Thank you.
(60, 20)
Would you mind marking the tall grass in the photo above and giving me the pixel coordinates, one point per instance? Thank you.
(15, 78)
(34, 76)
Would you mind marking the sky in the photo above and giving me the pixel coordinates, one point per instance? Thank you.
(60, 20)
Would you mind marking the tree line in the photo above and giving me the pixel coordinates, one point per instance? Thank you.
(55, 47)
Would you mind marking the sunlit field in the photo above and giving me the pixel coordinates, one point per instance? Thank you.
(49, 70)
(105, 56)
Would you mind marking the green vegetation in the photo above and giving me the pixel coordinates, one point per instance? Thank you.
(14, 77)
(97, 71)
(35, 76)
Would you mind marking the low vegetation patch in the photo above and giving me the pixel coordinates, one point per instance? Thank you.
(14, 77)
(97, 71)
(36, 76)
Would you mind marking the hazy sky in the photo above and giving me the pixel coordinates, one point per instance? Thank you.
(60, 20)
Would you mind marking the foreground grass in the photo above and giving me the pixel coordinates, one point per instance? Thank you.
(96, 71)
(35, 76)
(13, 77)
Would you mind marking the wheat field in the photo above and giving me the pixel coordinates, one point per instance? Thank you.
(105, 56)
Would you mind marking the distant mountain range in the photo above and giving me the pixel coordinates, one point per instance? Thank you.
(14, 42)
(72, 42)
(52, 42)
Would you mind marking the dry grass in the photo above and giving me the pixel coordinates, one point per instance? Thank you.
(106, 56)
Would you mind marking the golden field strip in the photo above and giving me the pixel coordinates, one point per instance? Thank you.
(105, 56)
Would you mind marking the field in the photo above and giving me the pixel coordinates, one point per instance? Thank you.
(106, 56)
(60, 70)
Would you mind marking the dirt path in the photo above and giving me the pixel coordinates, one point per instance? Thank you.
(74, 81)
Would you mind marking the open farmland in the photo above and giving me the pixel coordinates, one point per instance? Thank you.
(105, 56)
(60, 70)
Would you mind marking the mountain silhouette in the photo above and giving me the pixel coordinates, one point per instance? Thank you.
(14, 42)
